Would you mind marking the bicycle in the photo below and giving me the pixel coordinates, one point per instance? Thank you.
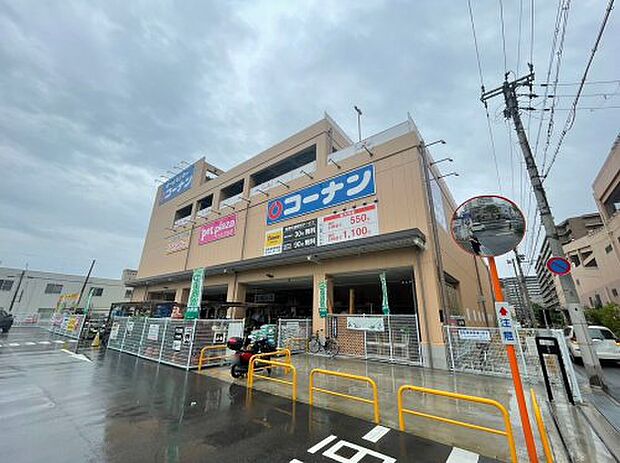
(326, 344)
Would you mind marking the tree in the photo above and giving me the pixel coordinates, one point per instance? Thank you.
(554, 317)
(608, 316)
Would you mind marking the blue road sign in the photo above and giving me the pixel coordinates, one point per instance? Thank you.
(558, 266)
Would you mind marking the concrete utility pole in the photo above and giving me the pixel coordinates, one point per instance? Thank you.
(575, 311)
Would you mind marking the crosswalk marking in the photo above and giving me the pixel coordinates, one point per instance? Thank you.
(462, 456)
(13, 344)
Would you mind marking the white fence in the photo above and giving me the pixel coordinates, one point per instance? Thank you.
(480, 350)
(66, 325)
(294, 334)
(391, 338)
(170, 341)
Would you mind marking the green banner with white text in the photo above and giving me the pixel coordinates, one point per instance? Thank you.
(195, 294)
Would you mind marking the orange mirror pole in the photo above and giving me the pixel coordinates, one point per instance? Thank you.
(516, 376)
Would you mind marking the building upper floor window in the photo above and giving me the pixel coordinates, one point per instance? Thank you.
(608, 248)
(295, 166)
(128, 293)
(53, 288)
(97, 291)
(231, 194)
(6, 285)
(183, 215)
(614, 291)
(204, 206)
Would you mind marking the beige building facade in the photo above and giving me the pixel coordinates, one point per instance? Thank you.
(317, 208)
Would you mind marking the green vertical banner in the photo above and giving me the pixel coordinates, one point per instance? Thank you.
(323, 299)
(385, 305)
(89, 301)
(195, 294)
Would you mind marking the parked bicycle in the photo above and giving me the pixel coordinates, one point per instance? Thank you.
(320, 343)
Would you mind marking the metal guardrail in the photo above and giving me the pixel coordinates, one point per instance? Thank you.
(541, 428)
(272, 363)
(469, 398)
(203, 357)
(374, 402)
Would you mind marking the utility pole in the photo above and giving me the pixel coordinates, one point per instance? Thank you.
(19, 284)
(575, 311)
(92, 264)
(526, 292)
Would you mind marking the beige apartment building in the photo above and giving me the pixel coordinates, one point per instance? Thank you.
(317, 210)
(596, 256)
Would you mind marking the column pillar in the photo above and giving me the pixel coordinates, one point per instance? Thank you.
(318, 323)
(236, 293)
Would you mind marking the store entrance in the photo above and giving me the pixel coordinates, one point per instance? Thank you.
(360, 293)
(275, 299)
(212, 305)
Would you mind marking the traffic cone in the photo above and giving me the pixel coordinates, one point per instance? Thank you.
(96, 342)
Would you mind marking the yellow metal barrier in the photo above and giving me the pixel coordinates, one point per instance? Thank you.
(272, 363)
(276, 353)
(541, 428)
(366, 379)
(481, 400)
(215, 357)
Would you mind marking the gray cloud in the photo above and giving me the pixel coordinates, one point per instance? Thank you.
(98, 99)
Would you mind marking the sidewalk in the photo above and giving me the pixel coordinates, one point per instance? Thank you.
(390, 377)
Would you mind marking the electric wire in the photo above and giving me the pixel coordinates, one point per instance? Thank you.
(570, 120)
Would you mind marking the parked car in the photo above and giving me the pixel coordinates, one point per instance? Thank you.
(6, 321)
(606, 344)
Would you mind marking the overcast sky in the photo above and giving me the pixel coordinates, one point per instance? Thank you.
(97, 99)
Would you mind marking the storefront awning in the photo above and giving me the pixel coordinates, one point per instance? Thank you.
(412, 238)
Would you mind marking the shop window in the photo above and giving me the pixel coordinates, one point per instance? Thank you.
(231, 194)
(183, 216)
(203, 207)
(288, 169)
(52, 288)
(6, 285)
(97, 291)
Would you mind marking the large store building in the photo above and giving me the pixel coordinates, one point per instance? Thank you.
(317, 211)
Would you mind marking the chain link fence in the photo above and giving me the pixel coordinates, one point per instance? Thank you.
(481, 351)
(170, 341)
(390, 338)
(294, 334)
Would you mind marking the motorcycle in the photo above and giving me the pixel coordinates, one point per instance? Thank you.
(244, 351)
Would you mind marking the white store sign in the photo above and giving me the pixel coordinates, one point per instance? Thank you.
(366, 324)
(352, 224)
(475, 335)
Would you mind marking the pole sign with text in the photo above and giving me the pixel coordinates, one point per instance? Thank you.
(385, 305)
(504, 321)
(195, 294)
(323, 299)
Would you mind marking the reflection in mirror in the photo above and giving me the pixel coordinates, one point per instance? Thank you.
(488, 226)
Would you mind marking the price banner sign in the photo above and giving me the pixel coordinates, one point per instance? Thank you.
(352, 224)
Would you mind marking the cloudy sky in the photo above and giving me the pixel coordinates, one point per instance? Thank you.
(97, 99)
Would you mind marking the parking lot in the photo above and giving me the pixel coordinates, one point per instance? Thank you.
(58, 406)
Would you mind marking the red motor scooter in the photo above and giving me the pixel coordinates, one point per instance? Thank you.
(244, 351)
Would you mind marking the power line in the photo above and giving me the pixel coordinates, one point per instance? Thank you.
(570, 120)
(592, 82)
(519, 35)
(501, 15)
(479, 62)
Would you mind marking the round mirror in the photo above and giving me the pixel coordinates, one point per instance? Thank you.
(488, 226)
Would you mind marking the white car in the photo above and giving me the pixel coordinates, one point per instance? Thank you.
(605, 343)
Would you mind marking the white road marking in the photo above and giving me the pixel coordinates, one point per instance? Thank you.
(76, 356)
(58, 341)
(323, 443)
(13, 344)
(30, 343)
(72, 340)
(44, 342)
(462, 456)
(295, 460)
(376, 433)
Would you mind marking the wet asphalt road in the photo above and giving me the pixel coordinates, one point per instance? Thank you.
(59, 407)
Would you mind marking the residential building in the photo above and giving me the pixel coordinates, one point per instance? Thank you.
(513, 294)
(31, 292)
(317, 218)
